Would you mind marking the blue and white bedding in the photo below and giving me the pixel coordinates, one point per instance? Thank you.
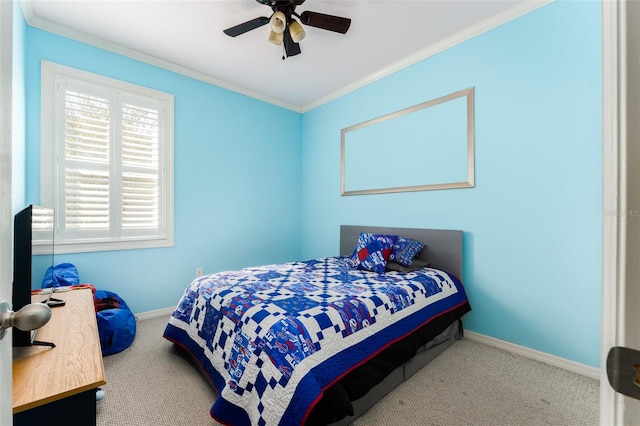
(272, 338)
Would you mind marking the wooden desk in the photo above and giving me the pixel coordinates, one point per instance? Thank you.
(59, 383)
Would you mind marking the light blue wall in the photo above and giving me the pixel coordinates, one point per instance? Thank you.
(237, 178)
(533, 222)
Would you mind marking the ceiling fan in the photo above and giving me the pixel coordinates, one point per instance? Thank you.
(285, 29)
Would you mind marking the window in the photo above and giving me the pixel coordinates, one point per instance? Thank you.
(107, 161)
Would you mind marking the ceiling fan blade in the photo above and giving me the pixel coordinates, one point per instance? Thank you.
(326, 22)
(281, 2)
(246, 26)
(290, 47)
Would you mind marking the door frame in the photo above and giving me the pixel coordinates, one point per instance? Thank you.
(621, 227)
(6, 142)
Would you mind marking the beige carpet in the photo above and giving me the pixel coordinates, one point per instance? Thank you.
(152, 383)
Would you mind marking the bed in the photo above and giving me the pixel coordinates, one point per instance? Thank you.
(320, 341)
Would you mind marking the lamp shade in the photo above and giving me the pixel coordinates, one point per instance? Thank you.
(276, 38)
(296, 30)
(278, 22)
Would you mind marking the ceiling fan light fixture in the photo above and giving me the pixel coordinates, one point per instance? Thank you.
(286, 31)
(296, 30)
(278, 22)
(276, 38)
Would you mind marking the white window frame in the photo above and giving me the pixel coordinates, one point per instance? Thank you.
(52, 142)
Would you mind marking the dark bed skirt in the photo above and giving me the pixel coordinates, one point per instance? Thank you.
(401, 359)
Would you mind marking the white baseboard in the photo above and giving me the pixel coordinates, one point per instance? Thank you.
(575, 367)
(157, 313)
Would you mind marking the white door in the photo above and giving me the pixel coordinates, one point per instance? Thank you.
(621, 242)
(6, 55)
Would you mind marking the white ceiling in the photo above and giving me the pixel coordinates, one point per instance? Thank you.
(186, 36)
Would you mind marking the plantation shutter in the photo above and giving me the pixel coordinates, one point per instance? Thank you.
(140, 165)
(111, 164)
(87, 132)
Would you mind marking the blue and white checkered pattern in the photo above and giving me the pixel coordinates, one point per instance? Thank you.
(404, 250)
(274, 334)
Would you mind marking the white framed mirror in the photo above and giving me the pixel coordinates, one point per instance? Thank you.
(424, 147)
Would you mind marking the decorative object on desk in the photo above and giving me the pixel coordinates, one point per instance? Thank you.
(116, 322)
(64, 274)
(29, 317)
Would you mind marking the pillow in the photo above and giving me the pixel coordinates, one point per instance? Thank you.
(416, 264)
(372, 251)
(404, 250)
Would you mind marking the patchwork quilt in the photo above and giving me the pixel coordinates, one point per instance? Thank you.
(272, 338)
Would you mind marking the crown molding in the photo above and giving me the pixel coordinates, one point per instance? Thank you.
(61, 30)
(508, 15)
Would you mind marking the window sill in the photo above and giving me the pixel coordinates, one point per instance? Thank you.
(65, 248)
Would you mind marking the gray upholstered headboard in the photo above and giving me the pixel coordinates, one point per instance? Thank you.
(443, 251)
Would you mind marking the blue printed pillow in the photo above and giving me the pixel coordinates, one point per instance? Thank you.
(372, 252)
(404, 250)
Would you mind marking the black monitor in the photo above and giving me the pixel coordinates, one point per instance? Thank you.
(32, 226)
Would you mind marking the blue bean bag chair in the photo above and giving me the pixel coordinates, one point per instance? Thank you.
(64, 274)
(116, 322)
